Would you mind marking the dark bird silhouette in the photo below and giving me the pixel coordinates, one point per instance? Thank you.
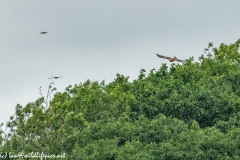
(56, 77)
(170, 59)
(43, 32)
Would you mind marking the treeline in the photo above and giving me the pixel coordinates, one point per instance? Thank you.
(185, 112)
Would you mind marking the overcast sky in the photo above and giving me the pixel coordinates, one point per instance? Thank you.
(93, 39)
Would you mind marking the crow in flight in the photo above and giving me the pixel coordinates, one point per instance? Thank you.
(170, 59)
(55, 77)
(43, 32)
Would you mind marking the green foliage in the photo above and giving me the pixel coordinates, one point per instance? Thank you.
(205, 92)
(188, 111)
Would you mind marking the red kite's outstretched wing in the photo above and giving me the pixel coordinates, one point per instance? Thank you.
(169, 58)
(176, 59)
(180, 60)
(165, 57)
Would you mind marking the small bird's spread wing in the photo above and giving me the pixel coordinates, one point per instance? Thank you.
(56, 77)
(165, 57)
(60, 77)
(43, 32)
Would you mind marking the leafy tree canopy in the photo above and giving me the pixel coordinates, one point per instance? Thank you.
(186, 111)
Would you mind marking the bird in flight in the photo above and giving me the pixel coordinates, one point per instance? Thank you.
(170, 59)
(43, 32)
(56, 77)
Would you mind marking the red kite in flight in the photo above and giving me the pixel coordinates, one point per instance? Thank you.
(43, 32)
(170, 59)
(55, 77)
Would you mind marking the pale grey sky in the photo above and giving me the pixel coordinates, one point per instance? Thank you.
(90, 39)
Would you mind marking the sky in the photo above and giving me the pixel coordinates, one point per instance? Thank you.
(92, 39)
